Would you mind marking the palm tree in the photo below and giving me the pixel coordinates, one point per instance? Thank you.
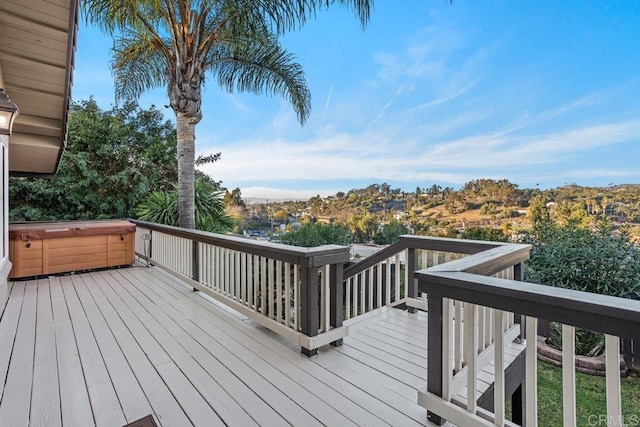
(176, 43)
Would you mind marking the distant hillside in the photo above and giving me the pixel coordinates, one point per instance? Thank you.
(434, 210)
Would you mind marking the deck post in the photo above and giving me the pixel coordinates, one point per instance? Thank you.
(150, 246)
(412, 285)
(309, 309)
(336, 304)
(518, 274)
(517, 406)
(195, 262)
(434, 352)
(517, 398)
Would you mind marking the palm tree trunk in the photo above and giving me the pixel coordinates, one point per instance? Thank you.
(186, 139)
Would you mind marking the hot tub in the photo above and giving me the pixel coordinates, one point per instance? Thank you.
(42, 248)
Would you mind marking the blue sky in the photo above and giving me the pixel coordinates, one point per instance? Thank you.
(538, 92)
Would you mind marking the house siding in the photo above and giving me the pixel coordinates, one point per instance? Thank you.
(5, 264)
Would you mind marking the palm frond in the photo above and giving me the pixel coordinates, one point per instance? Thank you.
(113, 16)
(287, 15)
(159, 207)
(137, 65)
(261, 66)
(162, 208)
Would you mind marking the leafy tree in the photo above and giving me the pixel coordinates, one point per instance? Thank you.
(578, 258)
(569, 213)
(488, 208)
(234, 198)
(508, 213)
(176, 43)
(162, 207)
(112, 160)
(313, 234)
(281, 215)
(390, 232)
(538, 210)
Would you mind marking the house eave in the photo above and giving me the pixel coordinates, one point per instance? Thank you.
(37, 48)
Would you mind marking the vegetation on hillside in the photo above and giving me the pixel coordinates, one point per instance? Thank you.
(481, 209)
(116, 158)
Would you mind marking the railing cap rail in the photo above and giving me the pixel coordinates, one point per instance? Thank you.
(611, 315)
(449, 244)
(443, 244)
(490, 261)
(309, 257)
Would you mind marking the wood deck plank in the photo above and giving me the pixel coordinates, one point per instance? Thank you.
(16, 399)
(417, 360)
(238, 328)
(212, 333)
(74, 397)
(104, 400)
(193, 403)
(45, 393)
(400, 333)
(406, 327)
(387, 354)
(362, 377)
(371, 334)
(165, 406)
(8, 330)
(239, 378)
(182, 348)
(385, 368)
(311, 409)
(132, 399)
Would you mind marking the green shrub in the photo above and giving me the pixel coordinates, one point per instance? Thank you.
(592, 261)
(484, 233)
(317, 234)
(578, 258)
(488, 209)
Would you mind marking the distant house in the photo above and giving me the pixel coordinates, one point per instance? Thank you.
(398, 205)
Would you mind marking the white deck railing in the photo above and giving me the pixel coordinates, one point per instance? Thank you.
(464, 290)
(384, 283)
(285, 288)
(386, 277)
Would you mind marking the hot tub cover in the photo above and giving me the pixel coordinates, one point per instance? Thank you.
(55, 230)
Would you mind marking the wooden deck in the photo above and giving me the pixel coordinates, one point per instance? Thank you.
(107, 348)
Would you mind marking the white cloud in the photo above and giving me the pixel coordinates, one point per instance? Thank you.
(336, 157)
(279, 193)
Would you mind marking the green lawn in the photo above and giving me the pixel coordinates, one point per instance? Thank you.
(590, 398)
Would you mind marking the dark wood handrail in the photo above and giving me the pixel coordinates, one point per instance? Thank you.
(374, 259)
(307, 257)
(600, 313)
(409, 241)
